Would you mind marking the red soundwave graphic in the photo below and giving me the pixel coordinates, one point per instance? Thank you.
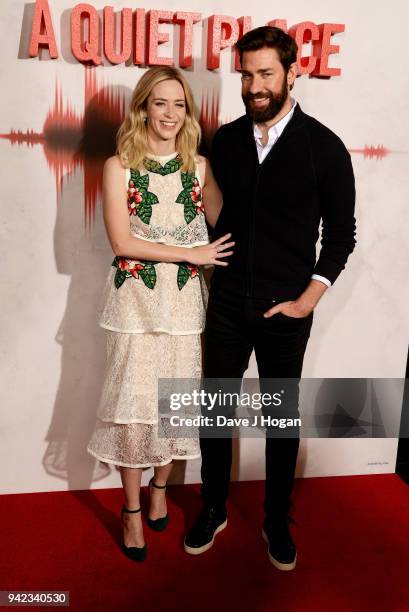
(209, 116)
(105, 111)
(377, 152)
(62, 133)
(30, 137)
(371, 152)
(73, 139)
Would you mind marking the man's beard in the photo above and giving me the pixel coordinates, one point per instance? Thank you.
(275, 104)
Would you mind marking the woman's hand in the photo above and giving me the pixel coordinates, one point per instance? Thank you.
(211, 253)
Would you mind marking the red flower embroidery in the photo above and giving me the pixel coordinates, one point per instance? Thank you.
(134, 199)
(196, 192)
(196, 195)
(130, 265)
(194, 270)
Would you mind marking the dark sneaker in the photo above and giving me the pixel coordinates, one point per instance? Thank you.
(201, 536)
(280, 546)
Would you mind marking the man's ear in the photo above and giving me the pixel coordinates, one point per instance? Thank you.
(292, 74)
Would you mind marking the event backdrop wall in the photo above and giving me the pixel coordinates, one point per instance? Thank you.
(58, 118)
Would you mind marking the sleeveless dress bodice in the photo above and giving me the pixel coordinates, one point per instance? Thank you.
(165, 206)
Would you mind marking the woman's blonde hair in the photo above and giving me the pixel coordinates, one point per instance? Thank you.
(132, 143)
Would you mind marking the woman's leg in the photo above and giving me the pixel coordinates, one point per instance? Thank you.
(158, 497)
(131, 482)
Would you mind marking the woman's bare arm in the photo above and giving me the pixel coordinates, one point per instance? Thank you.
(212, 197)
(124, 244)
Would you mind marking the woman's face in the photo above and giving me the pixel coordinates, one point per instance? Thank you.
(166, 110)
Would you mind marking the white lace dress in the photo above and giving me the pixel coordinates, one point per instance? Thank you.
(153, 313)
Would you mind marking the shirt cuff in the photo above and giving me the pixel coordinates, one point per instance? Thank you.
(322, 279)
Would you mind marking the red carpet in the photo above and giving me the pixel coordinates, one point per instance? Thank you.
(352, 535)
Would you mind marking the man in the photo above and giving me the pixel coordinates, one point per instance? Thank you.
(280, 172)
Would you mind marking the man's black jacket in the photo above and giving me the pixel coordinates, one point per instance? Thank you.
(274, 209)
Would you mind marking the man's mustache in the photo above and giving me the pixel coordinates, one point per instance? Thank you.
(257, 96)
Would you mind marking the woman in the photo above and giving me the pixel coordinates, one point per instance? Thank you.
(157, 193)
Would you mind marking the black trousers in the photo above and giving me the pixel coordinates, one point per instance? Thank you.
(234, 327)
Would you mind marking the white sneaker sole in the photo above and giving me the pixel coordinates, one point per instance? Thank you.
(285, 567)
(198, 551)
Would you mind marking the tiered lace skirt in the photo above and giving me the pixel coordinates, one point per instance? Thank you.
(127, 427)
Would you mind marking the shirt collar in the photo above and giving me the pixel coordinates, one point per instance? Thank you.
(277, 129)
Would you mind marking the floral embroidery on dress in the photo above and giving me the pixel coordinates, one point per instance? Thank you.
(185, 272)
(171, 166)
(132, 268)
(191, 196)
(140, 200)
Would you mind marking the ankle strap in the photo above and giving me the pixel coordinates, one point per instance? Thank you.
(124, 509)
(151, 482)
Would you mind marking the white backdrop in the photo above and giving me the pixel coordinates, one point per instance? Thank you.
(52, 351)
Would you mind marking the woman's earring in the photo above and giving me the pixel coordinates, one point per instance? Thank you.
(145, 119)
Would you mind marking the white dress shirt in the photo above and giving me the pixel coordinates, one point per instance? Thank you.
(262, 151)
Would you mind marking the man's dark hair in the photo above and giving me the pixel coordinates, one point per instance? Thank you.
(273, 38)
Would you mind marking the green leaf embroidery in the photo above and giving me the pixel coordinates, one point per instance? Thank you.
(120, 277)
(152, 166)
(151, 198)
(141, 182)
(183, 275)
(144, 182)
(134, 174)
(185, 196)
(171, 166)
(145, 212)
(185, 272)
(148, 275)
(144, 208)
(190, 212)
(188, 178)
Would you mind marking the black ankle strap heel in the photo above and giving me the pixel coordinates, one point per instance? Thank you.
(151, 482)
(161, 523)
(125, 509)
(135, 553)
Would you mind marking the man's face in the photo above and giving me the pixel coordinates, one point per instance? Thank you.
(264, 84)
